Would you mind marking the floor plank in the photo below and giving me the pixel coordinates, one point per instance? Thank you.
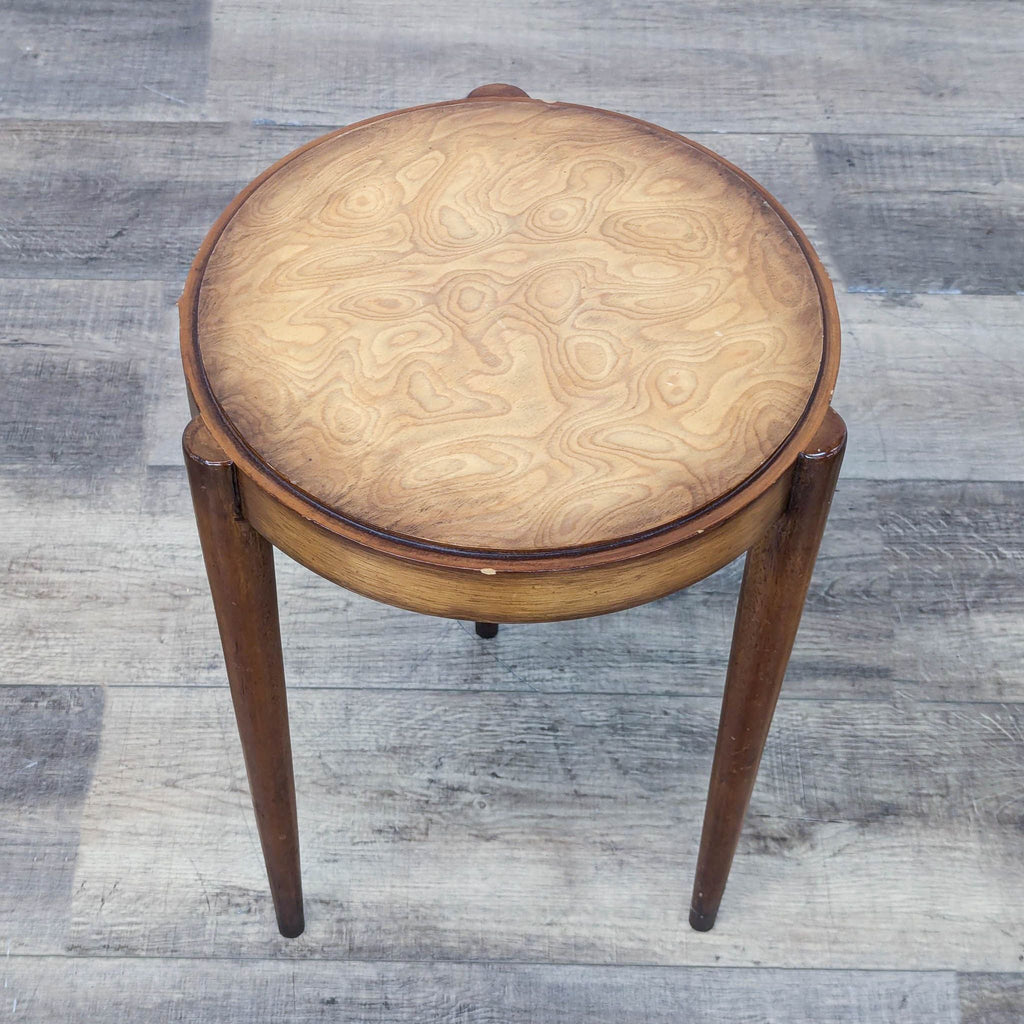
(956, 566)
(129, 590)
(991, 998)
(864, 66)
(916, 595)
(915, 373)
(486, 826)
(116, 199)
(83, 390)
(49, 740)
(886, 193)
(105, 58)
(255, 991)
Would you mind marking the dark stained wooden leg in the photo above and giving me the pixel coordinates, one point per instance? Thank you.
(487, 630)
(240, 566)
(775, 580)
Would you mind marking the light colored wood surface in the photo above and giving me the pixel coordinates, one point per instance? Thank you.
(529, 826)
(749, 69)
(868, 65)
(258, 991)
(49, 742)
(510, 325)
(916, 604)
(516, 592)
(991, 998)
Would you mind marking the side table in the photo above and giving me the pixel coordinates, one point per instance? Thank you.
(507, 360)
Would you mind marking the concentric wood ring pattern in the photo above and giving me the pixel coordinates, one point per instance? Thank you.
(510, 325)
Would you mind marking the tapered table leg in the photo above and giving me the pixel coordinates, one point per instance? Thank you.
(240, 567)
(487, 630)
(775, 580)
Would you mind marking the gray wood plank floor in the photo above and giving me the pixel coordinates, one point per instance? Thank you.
(505, 830)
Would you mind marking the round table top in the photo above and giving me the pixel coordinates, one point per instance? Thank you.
(510, 325)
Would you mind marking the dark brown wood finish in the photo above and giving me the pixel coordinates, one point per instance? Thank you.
(240, 567)
(775, 580)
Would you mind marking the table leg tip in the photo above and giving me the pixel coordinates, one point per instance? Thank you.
(701, 922)
(292, 929)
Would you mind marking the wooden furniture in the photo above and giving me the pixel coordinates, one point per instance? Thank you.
(509, 361)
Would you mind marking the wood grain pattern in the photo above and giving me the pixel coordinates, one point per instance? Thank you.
(118, 990)
(991, 998)
(506, 324)
(971, 185)
(695, 65)
(49, 742)
(154, 62)
(456, 586)
(555, 828)
(915, 607)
